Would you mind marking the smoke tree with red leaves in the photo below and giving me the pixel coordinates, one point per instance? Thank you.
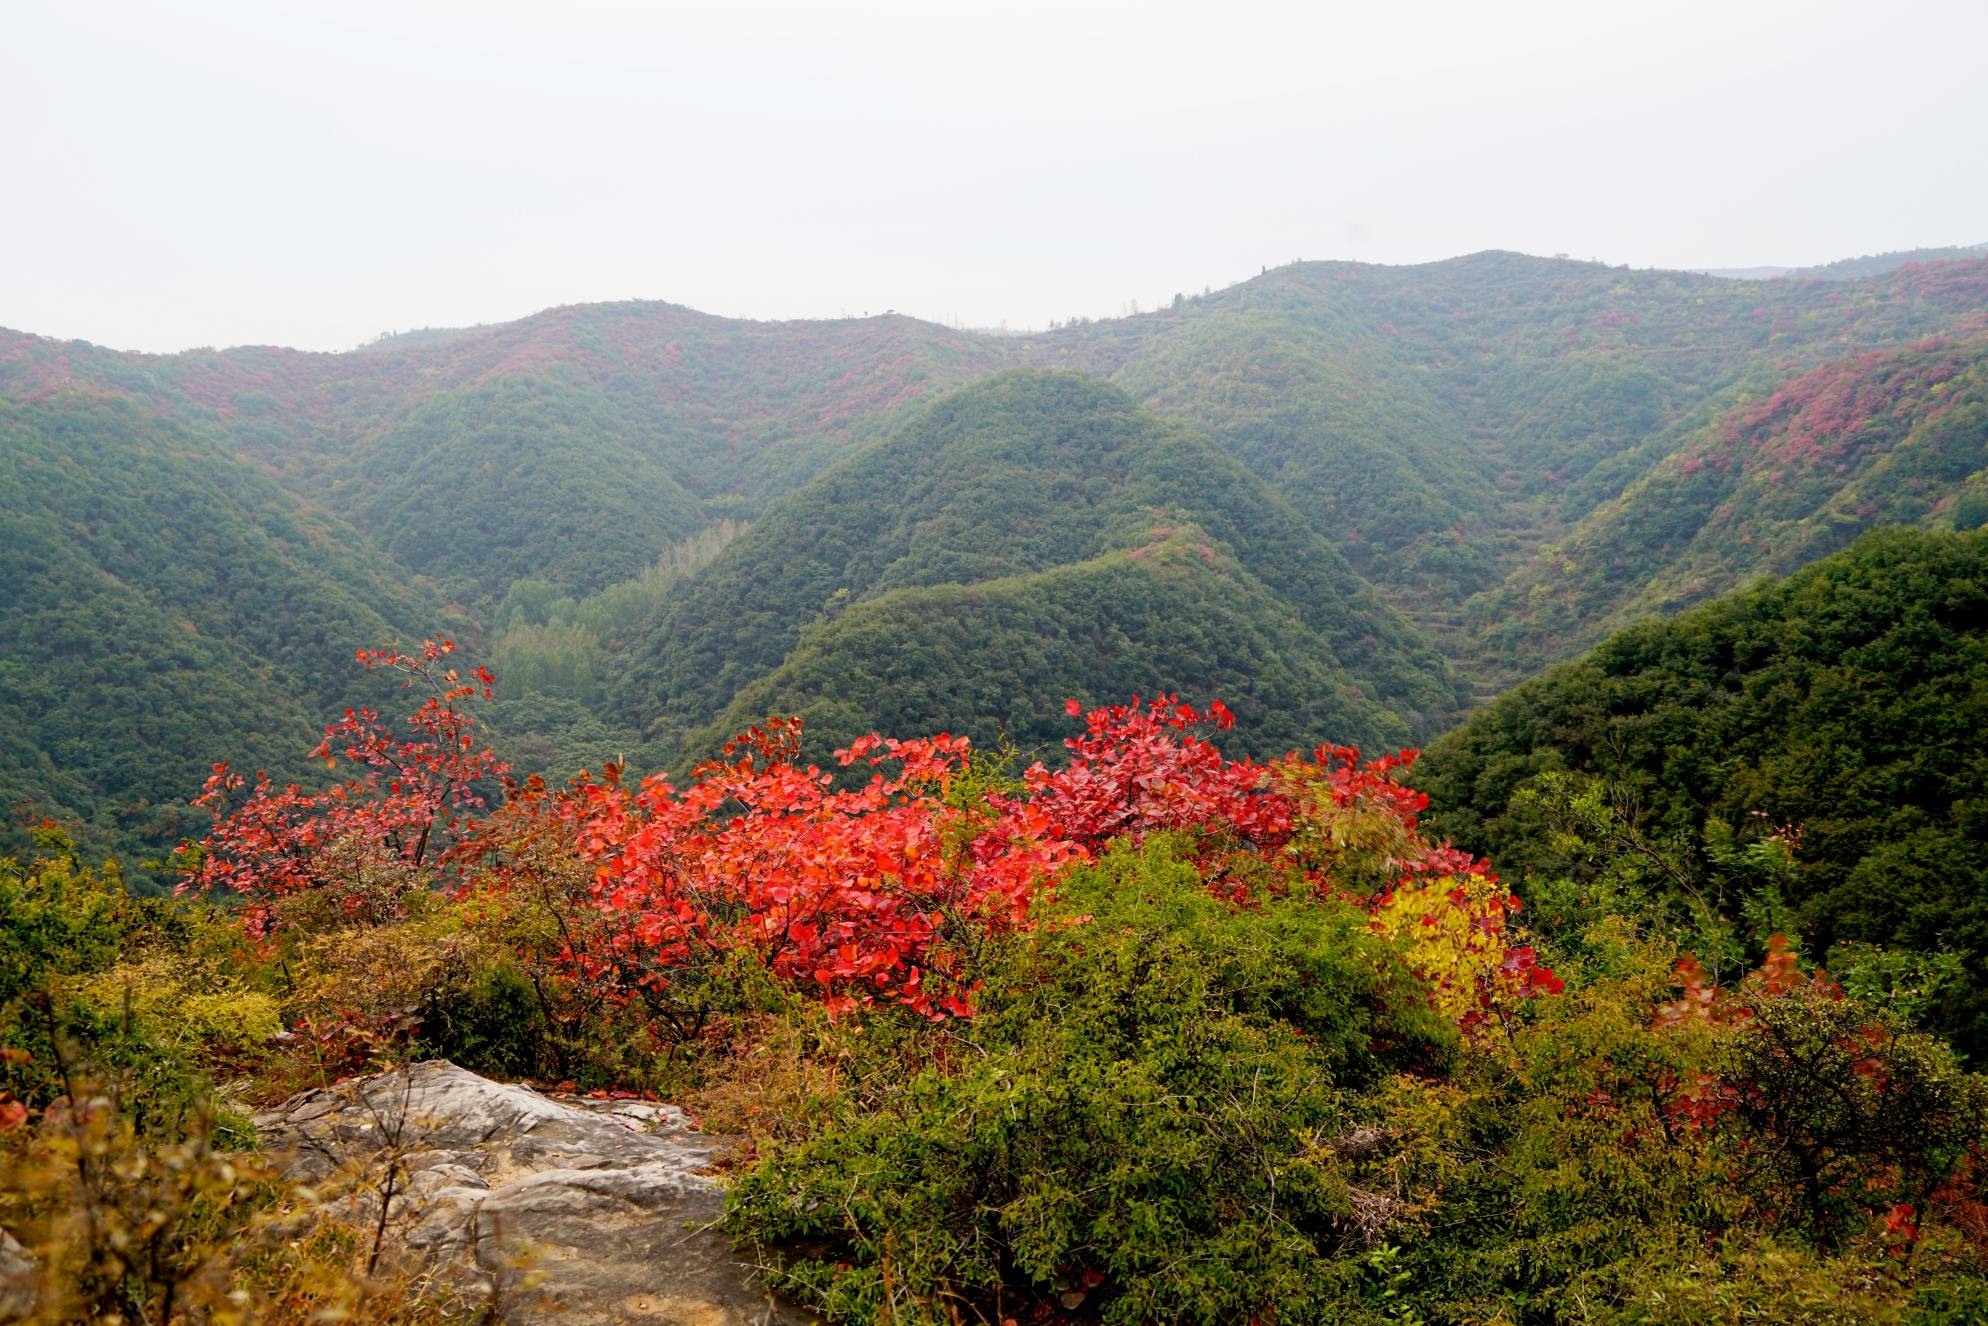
(877, 892)
(883, 891)
(362, 842)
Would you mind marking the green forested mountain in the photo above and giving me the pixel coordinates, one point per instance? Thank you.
(1363, 449)
(1838, 714)
(1055, 513)
(998, 658)
(517, 478)
(1774, 482)
(1434, 422)
(165, 607)
(1440, 423)
(573, 444)
(1376, 455)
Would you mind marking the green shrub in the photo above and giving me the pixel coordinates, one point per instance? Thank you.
(491, 1022)
(1844, 1113)
(208, 1015)
(59, 918)
(1149, 1116)
(64, 929)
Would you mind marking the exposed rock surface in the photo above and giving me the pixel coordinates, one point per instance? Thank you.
(578, 1211)
(19, 1274)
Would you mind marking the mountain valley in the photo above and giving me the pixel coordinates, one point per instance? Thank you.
(1392, 491)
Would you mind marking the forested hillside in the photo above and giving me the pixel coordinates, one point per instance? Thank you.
(1807, 754)
(1849, 269)
(1492, 459)
(164, 607)
(1083, 544)
(575, 442)
(1399, 408)
(996, 659)
(1775, 482)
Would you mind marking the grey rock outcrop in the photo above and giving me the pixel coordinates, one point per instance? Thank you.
(19, 1277)
(579, 1211)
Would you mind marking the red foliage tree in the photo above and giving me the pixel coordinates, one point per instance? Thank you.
(883, 891)
(362, 841)
(877, 892)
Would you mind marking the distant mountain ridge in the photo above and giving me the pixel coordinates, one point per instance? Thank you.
(1438, 433)
(1848, 269)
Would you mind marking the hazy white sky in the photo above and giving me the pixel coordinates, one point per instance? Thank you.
(314, 172)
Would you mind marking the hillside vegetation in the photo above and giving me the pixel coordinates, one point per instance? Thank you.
(1150, 1035)
(1849, 269)
(994, 660)
(1391, 404)
(1806, 752)
(1082, 545)
(165, 607)
(1881, 438)
(1494, 459)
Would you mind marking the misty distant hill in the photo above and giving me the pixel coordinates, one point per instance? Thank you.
(1848, 269)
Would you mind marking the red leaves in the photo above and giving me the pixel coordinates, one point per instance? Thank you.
(880, 892)
(869, 894)
(1532, 979)
(1139, 769)
(1901, 1225)
(372, 835)
(13, 1113)
(1958, 1202)
(1780, 973)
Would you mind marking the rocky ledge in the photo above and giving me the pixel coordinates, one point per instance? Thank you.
(584, 1211)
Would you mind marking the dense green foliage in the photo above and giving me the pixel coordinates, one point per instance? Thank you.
(995, 659)
(1450, 379)
(1835, 716)
(65, 931)
(519, 478)
(1144, 1103)
(1598, 1174)
(1173, 1110)
(1373, 454)
(1890, 438)
(165, 607)
(1025, 540)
